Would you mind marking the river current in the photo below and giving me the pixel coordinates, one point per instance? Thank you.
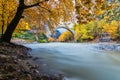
(79, 61)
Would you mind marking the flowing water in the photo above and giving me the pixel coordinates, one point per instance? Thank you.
(79, 61)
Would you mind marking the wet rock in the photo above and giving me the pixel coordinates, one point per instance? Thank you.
(45, 78)
(16, 63)
(35, 58)
(58, 77)
(25, 77)
(111, 47)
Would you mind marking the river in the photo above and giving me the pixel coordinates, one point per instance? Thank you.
(79, 61)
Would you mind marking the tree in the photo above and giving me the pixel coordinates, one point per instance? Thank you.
(65, 36)
(13, 24)
(6, 13)
(111, 11)
(88, 10)
(84, 31)
(52, 11)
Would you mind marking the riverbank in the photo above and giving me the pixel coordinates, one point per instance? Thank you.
(113, 45)
(16, 63)
(108, 46)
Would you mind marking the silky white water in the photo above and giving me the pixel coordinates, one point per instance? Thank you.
(79, 61)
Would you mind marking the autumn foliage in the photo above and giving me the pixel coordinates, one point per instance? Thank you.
(91, 17)
(66, 36)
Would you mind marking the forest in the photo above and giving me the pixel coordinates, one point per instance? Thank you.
(90, 18)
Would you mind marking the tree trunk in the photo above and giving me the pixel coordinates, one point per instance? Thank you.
(13, 24)
(2, 27)
(11, 27)
(2, 15)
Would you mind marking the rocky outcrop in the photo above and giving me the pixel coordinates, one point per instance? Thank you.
(112, 47)
(16, 63)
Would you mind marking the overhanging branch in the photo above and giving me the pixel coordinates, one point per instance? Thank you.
(45, 8)
(37, 4)
(33, 5)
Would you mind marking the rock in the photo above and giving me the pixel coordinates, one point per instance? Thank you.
(45, 77)
(35, 58)
(25, 77)
(16, 63)
(112, 47)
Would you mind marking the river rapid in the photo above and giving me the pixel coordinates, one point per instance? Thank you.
(79, 61)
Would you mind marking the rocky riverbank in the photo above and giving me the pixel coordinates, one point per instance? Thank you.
(108, 46)
(16, 63)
